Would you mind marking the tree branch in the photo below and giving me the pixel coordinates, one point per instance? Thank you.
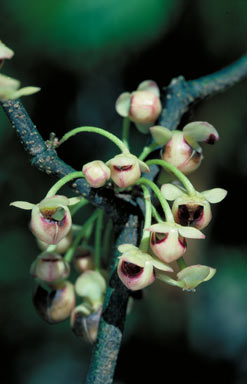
(181, 94)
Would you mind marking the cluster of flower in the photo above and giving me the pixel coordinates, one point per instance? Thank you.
(164, 239)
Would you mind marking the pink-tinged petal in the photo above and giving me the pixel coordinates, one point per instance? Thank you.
(171, 191)
(215, 195)
(181, 154)
(170, 248)
(161, 135)
(191, 233)
(96, 173)
(201, 131)
(145, 107)
(49, 267)
(135, 277)
(123, 104)
(125, 170)
(149, 85)
(47, 229)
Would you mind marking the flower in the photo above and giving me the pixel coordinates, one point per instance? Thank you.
(9, 89)
(56, 305)
(85, 323)
(192, 210)
(181, 147)
(62, 246)
(5, 53)
(136, 269)
(96, 173)
(51, 218)
(83, 259)
(168, 240)
(190, 277)
(126, 169)
(50, 267)
(142, 106)
(91, 286)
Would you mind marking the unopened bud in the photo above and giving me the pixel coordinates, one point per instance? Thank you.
(96, 173)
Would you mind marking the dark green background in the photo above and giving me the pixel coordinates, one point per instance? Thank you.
(83, 54)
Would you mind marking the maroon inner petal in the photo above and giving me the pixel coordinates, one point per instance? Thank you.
(123, 168)
(189, 214)
(130, 269)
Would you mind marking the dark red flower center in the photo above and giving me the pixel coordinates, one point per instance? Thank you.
(130, 269)
(189, 214)
(122, 168)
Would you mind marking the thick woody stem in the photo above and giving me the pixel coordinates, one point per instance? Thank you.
(181, 94)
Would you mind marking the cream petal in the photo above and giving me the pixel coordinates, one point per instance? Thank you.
(126, 247)
(201, 131)
(123, 104)
(190, 232)
(134, 257)
(22, 205)
(215, 195)
(161, 135)
(211, 274)
(161, 265)
(74, 200)
(57, 200)
(26, 91)
(171, 191)
(149, 85)
(164, 227)
(144, 167)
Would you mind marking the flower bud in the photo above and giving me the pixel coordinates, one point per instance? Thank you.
(83, 260)
(51, 219)
(96, 173)
(61, 247)
(56, 305)
(49, 267)
(142, 106)
(126, 169)
(85, 326)
(168, 240)
(91, 286)
(181, 154)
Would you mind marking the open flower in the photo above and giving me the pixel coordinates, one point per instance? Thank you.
(126, 169)
(168, 240)
(142, 106)
(192, 210)
(96, 173)
(190, 277)
(51, 218)
(50, 267)
(181, 147)
(85, 323)
(5, 53)
(136, 269)
(56, 305)
(10, 89)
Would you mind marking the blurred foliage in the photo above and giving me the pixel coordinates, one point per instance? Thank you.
(70, 28)
(83, 54)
